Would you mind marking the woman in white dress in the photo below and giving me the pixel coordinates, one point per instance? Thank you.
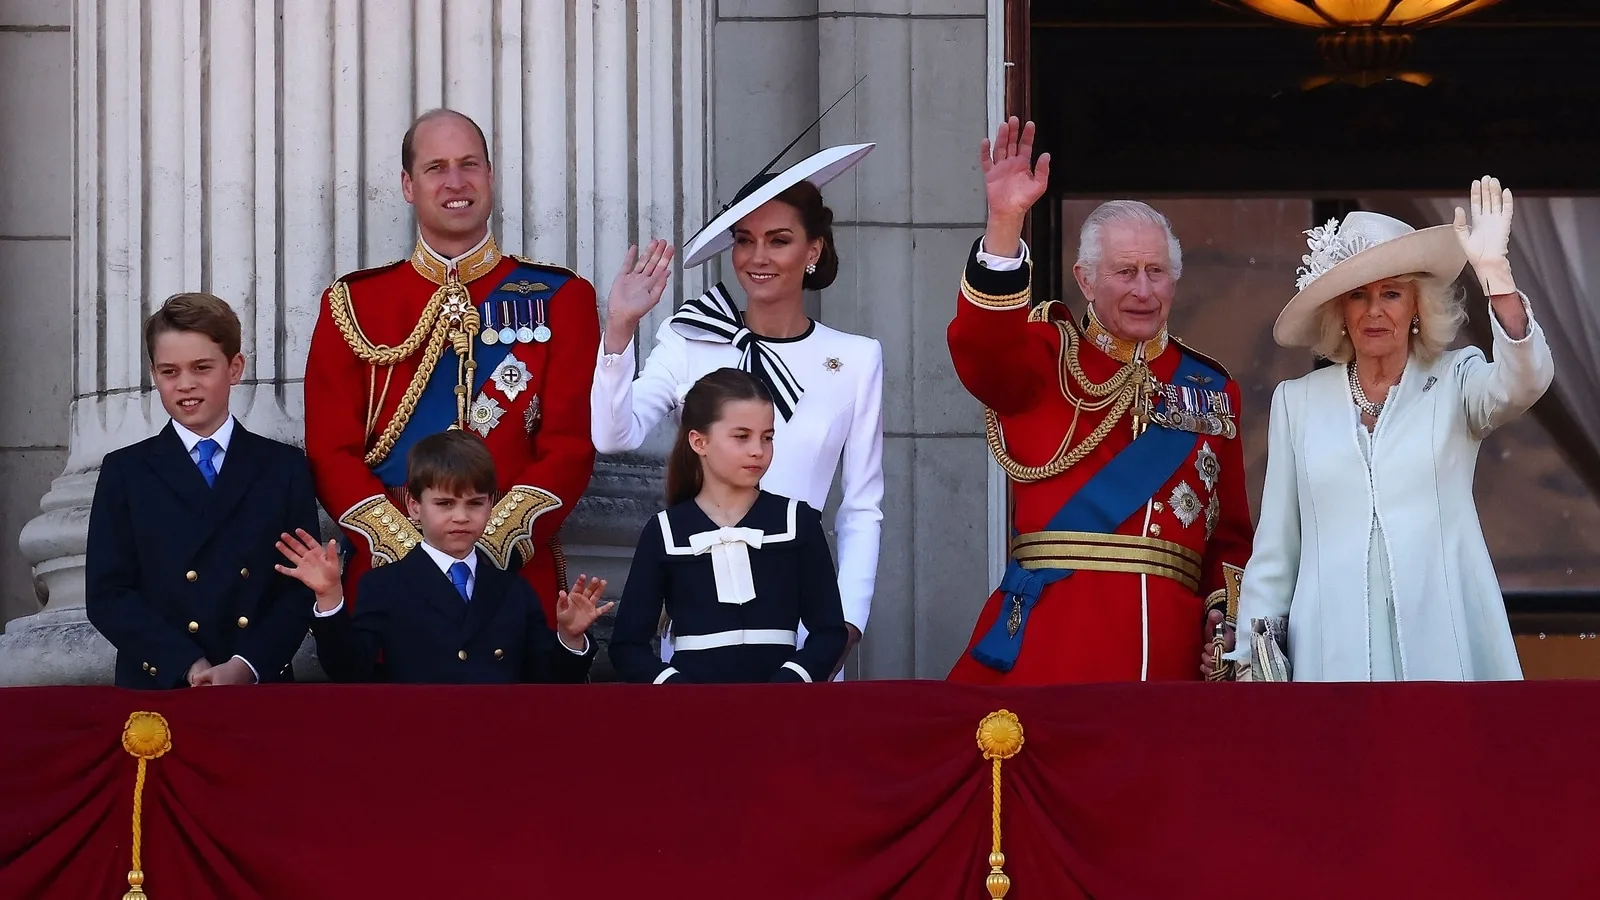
(1369, 541)
(827, 385)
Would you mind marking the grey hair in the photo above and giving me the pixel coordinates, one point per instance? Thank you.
(1130, 211)
(1441, 311)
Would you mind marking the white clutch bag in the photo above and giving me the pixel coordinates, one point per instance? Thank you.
(1269, 645)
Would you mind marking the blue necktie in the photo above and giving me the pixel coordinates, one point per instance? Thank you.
(207, 449)
(459, 573)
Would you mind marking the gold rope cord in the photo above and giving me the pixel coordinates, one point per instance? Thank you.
(1118, 392)
(408, 401)
(146, 736)
(380, 354)
(1000, 738)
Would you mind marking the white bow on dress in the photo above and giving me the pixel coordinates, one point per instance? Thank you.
(730, 560)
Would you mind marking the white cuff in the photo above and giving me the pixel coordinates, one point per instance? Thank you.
(569, 649)
(798, 669)
(666, 673)
(253, 672)
(614, 360)
(1002, 263)
(317, 613)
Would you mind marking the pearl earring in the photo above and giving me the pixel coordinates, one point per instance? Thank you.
(811, 268)
(1343, 330)
(1416, 325)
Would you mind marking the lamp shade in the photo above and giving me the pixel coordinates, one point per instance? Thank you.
(1366, 13)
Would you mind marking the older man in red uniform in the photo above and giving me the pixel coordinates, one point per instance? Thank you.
(1122, 446)
(458, 336)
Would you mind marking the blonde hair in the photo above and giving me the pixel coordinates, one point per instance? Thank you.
(1440, 315)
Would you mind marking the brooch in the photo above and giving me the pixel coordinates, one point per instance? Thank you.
(832, 364)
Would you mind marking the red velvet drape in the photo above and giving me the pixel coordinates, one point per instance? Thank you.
(829, 791)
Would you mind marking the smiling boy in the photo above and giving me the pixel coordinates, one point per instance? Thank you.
(179, 569)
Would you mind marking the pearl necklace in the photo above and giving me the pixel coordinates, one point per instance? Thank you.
(1359, 395)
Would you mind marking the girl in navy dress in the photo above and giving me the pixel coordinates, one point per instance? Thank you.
(737, 569)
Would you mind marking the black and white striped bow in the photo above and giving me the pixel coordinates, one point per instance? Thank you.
(713, 317)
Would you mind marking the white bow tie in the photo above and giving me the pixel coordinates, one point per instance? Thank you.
(730, 560)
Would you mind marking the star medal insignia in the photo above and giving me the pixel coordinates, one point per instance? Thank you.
(1185, 503)
(833, 364)
(484, 415)
(532, 416)
(511, 376)
(1209, 467)
(1213, 516)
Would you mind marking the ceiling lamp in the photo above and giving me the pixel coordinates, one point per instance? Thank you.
(1364, 41)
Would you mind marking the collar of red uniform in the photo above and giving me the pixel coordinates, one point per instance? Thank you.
(470, 266)
(1120, 349)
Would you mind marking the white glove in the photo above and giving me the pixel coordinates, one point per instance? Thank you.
(1488, 237)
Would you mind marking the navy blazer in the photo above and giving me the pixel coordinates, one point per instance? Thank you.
(411, 614)
(177, 570)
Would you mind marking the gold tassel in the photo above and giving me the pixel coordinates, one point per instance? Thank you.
(146, 736)
(1000, 738)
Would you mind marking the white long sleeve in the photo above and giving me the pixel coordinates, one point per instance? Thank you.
(624, 410)
(1274, 566)
(858, 524)
(1494, 393)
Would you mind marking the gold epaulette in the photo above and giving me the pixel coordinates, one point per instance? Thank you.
(390, 535)
(1046, 312)
(510, 526)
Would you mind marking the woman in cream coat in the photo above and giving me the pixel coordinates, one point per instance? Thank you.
(1369, 540)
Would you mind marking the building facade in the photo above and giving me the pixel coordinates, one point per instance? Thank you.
(252, 150)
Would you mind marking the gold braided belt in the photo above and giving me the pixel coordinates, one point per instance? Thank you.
(1107, 553)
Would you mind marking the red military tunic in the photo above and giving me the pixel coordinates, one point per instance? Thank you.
(1094, 625)
(540, 439)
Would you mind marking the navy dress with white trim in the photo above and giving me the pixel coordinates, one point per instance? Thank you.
(736, 596)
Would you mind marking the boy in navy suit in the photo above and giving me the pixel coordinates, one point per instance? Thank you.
(445, 613)
(180, 561)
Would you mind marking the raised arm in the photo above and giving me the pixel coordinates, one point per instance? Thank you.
(1494, 393)
(623, 410)
(997, 356)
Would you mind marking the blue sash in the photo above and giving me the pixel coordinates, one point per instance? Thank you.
(1115, 492)
(436, 408)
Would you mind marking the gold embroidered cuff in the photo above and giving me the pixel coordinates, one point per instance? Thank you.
(995, 301)
(510, 526)
(387, 530)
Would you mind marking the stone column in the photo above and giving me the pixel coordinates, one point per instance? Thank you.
(225, 147)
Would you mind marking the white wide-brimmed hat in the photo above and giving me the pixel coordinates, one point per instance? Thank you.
(1364, 248)
(819, 168)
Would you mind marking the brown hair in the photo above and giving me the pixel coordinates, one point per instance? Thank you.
(454, 462)
(817, 220)
(204, 314)
(408, 149)
(702, 407)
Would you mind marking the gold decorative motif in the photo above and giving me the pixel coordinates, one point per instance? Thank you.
(1015, 300)
(1120, 349)
(1000, 738)
(1213, 516)
(524, 287)
(389, 542)
(1089, 551)
(1226, 601)
(517, 511)
(145, 736)
(480, 263)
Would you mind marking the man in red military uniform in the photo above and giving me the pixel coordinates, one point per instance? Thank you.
(458, 336)
(1122, 446)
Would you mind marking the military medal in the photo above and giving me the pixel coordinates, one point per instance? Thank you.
(532, 415)
(485, 415)
(1206, 463)
(1213, 516)
(511, 376)
(542, 332)
(507, 312)
(490, 334)
(1185, 503)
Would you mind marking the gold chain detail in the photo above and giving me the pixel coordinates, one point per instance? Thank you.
(408, 401)
(1117, 392)
(379, 354)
